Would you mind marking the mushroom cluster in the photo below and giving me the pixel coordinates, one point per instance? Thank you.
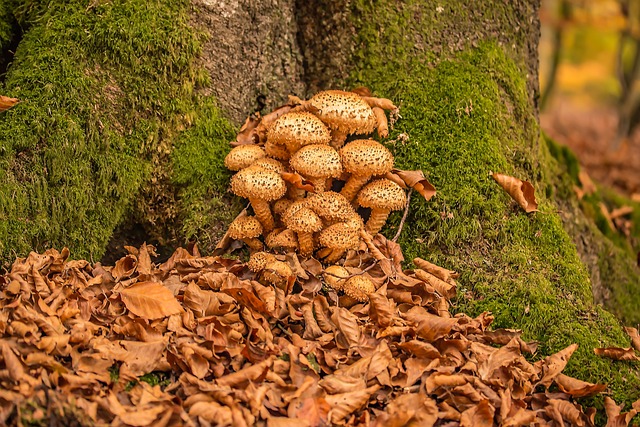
(305, 183)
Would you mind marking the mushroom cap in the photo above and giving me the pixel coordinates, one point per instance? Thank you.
(270, 164)
(257, 182)
(280, 238)
(297, 129)
(276, 151)
(382, 194)
(280, 206)
(330, 278)
(340, 236)
(245, 227)
(277, 272)
(259, 260)
(330, 205)
(293, 209)
(366, 157)
(243, 156)
(344, 111)
(359, 287)
(303, 221)
(318, 161)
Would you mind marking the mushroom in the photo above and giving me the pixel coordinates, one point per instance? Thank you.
(363, 158)
(270, 164)
(359, 287)
(277, 273)
(344, 113)
(260, 186)
(276, 151)
(281, 205)
(297, 129)
(259, 260)
(317, 163)
(285, 239)
(339, 237)
(331, 206)
(304, 222)
(382, 196)
(247, 229)
(243, 156)
(335, 276)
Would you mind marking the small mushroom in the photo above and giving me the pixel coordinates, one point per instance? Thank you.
(359, 287)
(282, 239)
(260, 186)
(331, 206)
(277, 273)
(259, 260)
(317, 163)
(247, 229)
(363, 158)
(382, 196)
(276, 151)
(335, 276)
(281, 205)
(297, 129)
(345, 113)
(243, 156)
(270, 164)
(339, 238)
(304, 222)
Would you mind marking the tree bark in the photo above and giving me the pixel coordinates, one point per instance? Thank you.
(127, 113)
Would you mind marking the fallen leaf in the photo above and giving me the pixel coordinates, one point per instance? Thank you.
(617, 353)
(7, 102)
(635, 337)
(576, 387)
(150, 300)
(247, 298)
(414, 179)
(479, 415)
(298, 181)
(440, 272)
(521, 191)
(344, 404)
(314, 412)
(552, 365)
(621, 211)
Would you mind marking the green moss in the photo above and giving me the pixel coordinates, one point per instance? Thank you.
(468, 114)
(104, 86)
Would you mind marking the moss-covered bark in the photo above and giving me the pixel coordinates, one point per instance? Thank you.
(113, 124)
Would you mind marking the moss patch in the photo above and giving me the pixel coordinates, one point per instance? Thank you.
(105, 86)
(468, 114)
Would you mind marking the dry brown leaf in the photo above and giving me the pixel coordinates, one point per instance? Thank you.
(478, 415)
(502, 357)
(150, 300)
(124, 267)
(383, 103)
(635, 197)
(567, 412)
(635, 337)
(412, 409)
(552, 365)
(313, 411)
(615, 417)
(381, 309)
(605, 212)
(443, 288)
(588, 187)
(344, 404)
(617, 353)
(335, 384)
(414, 179)
(578, 388)
(12, 363)
(248, 132)
(298, 181)
(347, 324)
(521, 191)
(246, 298)
(383, 125)
(7, 102)
(621, 211)
(440, 272)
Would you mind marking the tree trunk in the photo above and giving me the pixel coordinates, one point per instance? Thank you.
(128, 107)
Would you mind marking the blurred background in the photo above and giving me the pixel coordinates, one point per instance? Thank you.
(590, 86)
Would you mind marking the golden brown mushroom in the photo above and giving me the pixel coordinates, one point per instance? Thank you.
(243, 156)
(247, 229)
(304, 222)
(363, 158)
(277, 273)
(259, 260)
(359, 287)
(382, 196)
(339, 237)
(297, 129)
(260, 186)
(335, 276)
(270, 164)
(282, 239)
(331, 206)
(276, 151)
(317, 163)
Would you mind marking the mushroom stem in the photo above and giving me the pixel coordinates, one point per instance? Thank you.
(318, 184)
(305, 241)
(334, 256)
(338, 137)
(296, 193)
(353, 185)
(383, 125)
(263, 213)
(253, 243)
(376, 220)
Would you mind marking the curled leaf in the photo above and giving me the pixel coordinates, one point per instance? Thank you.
(7, 102)
(415, 180)
(617, 353)
(635, 337)
(521, 191)
(150, 300)
(297, 181)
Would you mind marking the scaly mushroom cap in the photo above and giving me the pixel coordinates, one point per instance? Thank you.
(276, 151)
(245, 227)
(344, 111)
(270, 164)
(359, 288)
(243, 156)
(317, 161)
(259, 260)
(382, 194)
(340, 236)
(293, 209)
(259, 183)
(280, 238)
(281, 205)
(277, 272)
(366, 157)
(331, 205)
(303, 221)
(297, 129)
(335, 276)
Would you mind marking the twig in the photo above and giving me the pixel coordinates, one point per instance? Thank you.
(353, 274)
(404, 217)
